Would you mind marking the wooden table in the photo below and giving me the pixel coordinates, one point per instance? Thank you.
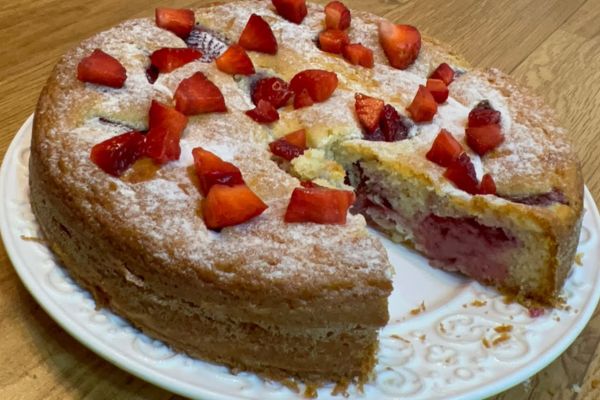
(552, 45)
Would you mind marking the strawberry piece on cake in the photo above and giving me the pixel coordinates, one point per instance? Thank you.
(319, 205)
(333, 40)
(290, 146)
(302, 99)
(461, 172)
(292, 10)
(443, 72)
(368, 110)
(118, 153)
(423, 106)
(258, 36)
(167, 59)
(401, 43)
(357, 54)
(320, 84)
(337, 15)
(230, 205)
(483, 139)
(487, 185)
(264, 112)
(483, 114)
(235, 61)
(438, 90)
(274, 90)
(445, 149)
(166, 126)
(212, 170)
(179, 21)
(197, 95)
(102, 69)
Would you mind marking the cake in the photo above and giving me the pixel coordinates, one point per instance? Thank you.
(194, 172)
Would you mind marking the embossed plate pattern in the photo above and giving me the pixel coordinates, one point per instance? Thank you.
(448, 337)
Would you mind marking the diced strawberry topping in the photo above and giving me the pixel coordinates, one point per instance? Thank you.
(487, 185)
(443, 72)
(333, 40)
(393, 125)
(319, 205)
(445, 149)
(235, 61)
(357, 54)
(401, 43)
(102, 69)
(368, 110)
(178, 21)
(302, 99)
(258, 36)
(337, 15)
(274, 90)
(167, 59)
(197, 95)
(423, 106)
(290, 146)
(483, 114)
(212, 170)
(230, 205)
(320, 84)
(264, 112)
(292, 10)
(166, 126)
(461, 172)
(484, 138)
(117, 154)
(438, 89)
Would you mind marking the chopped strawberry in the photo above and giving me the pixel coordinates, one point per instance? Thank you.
(292, 10)
(368, 110)
(290, 146)
(394, 126)
(179, 21)
(445, 149)
(230, 205)
(118, 153)
(169, 58)
(197, 95)
(483, 114)
(320, 84)
(102, 69)
(401, 43)
(235, 61)
(319, 205)
(423, 106)
(258, 36)
(166, 126)
(264, 112)
(333, 40)
(337, 15)
(212, 170)
(274, 90)
(443, 72)
(357, 54)
(302, 100)
(484, 138)
(487, 185)
(438, 89)
(461, 172)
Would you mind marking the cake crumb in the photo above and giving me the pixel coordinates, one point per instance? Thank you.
(398, 337)
(33, 239)
(504, 328)
(310, 391)
(500, 339)
(442, 328)
(579, 259)
(478, 303)
(486, 344)
(422, 338)
(418, 310)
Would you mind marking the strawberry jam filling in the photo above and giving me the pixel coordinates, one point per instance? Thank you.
(465, 245)
(541, 199)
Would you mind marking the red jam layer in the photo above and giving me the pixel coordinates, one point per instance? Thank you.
(542, 199)
(465, 245)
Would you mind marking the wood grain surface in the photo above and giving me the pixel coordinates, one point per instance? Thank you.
(552, 45)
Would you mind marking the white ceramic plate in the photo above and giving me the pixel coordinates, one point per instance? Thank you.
(448, 350)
